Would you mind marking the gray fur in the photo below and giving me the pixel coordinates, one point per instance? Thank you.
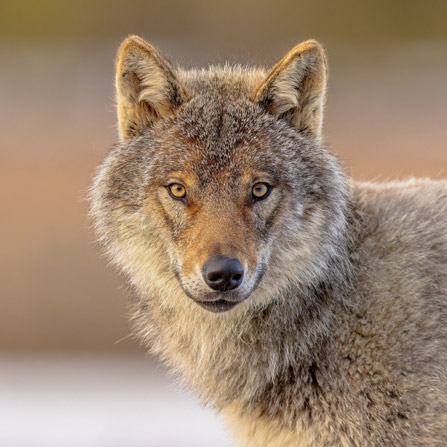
(343, 339)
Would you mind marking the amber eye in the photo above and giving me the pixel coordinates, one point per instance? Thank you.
(177, 191)
(260, 190)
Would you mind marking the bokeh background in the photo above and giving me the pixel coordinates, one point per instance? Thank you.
(70, 372)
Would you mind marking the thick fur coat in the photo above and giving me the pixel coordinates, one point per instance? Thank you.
(337, 332)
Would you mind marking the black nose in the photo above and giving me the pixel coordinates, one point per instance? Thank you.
(222, 273)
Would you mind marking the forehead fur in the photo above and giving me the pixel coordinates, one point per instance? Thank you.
(220, 111)
(220, 125)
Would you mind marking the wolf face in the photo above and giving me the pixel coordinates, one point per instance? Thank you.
(220, 190)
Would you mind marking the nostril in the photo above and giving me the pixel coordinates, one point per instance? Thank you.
(237, 277)
(215, 277)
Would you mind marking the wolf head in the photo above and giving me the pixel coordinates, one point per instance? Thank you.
(220, 191)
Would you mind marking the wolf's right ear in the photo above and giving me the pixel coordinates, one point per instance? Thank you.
(146, 86)
(295, 88)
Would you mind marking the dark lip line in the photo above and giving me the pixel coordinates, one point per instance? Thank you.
(218, 306)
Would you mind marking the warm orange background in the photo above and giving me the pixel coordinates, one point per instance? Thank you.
(386, 118)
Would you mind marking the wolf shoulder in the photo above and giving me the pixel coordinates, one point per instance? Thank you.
(402, 251)
(414, 210)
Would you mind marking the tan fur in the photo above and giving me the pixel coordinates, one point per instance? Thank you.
(340, 335)
(262, 432)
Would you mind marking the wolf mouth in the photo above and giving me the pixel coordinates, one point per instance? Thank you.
(218, 306)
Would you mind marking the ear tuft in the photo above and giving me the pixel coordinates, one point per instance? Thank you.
(147, 89)
(295, 88)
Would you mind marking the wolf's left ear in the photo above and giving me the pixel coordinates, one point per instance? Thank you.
(295, 88)
(147, 89)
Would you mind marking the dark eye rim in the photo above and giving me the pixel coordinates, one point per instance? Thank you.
(257, 199)
(168, 187)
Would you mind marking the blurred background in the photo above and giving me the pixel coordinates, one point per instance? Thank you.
(70, 374)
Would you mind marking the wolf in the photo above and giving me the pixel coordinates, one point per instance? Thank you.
(309, 309)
